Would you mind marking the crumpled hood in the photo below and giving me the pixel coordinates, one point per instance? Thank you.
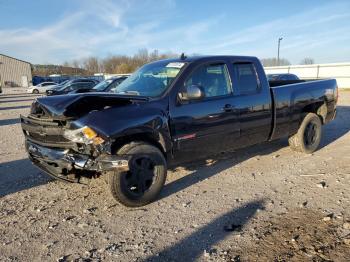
(76, 105)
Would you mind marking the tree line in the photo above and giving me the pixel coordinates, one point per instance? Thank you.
(285, 62)
(113, 64)
(118, 64)
(124, 64)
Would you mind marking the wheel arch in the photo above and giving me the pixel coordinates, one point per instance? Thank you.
(154, 138)
(319, 108)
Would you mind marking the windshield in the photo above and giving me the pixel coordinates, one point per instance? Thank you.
(58, 86)
(65, 85)
(103, 85)
(150, 80)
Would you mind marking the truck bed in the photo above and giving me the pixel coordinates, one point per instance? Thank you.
(275, 83)
(292, 101)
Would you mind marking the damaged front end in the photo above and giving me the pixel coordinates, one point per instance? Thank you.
(65, 151)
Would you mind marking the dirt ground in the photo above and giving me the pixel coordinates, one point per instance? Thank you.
(264, 203)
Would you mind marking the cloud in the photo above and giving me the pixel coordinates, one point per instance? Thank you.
(303, 34)
(122, 27)
(97, 27)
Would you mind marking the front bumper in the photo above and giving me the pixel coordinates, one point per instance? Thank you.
(69, 166)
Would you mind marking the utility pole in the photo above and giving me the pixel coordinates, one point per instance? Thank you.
(278, 50)
(0, 78)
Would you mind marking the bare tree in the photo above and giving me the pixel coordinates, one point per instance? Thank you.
(114, 64)
(91, 64)
(153, 56)
(273, 61)
(124, 69)
(110, 64)
(46, 70)
(76, 64)
(142, 55)
(307, 61)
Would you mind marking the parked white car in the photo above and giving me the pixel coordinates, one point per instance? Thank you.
(40, 88)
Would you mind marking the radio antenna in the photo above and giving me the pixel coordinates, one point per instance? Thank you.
(183, 57)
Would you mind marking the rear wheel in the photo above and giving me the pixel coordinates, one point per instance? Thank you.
(145, 178)
(308, 137)
(35, 91)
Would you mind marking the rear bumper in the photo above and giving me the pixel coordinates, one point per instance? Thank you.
(66, 165)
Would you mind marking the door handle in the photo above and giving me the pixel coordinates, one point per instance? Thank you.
(228, 108)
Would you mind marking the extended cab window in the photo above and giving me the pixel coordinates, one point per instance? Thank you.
(246, 78)
(213, 79)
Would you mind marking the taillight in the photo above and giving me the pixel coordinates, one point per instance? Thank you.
(337, 96)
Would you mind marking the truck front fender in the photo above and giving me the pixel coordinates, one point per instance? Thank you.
(155, 131)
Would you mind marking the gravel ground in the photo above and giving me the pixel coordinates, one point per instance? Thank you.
(264, 203)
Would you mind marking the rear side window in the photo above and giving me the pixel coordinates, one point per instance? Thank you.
(213, 79)
(80, 85)
(87, 81)
(246, 78)
(293, 77)
(76, 86)
(89, 85)
(72, 87)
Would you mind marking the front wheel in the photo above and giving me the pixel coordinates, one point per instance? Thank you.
(146, 176)
(308, 137)
(35, 91)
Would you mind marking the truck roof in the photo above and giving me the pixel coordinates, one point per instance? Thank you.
(191, 59)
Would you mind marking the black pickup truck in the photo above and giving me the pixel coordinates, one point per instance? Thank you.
(168, 112)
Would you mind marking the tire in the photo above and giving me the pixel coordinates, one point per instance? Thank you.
(309, 134)
(143, 182)
(35, 91)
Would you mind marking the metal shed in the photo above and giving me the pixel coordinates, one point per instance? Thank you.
(14, 72)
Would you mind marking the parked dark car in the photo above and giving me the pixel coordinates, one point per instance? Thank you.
(275, 77)
(168, 112)
(72, 85)
(107, 85)
(284, 79)
(58, 86)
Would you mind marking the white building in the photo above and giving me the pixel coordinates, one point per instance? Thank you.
(15, 72)
(339, 71)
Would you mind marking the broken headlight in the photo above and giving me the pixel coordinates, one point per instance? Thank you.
(84, 135)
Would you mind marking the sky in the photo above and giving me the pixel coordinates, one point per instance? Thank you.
(42, 31)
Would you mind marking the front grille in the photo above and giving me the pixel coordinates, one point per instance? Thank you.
(45, 131)
(51, 138)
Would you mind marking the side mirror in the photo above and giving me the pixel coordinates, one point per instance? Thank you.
(193, 92)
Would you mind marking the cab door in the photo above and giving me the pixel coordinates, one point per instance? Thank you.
(209, 125)
(253, 102)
